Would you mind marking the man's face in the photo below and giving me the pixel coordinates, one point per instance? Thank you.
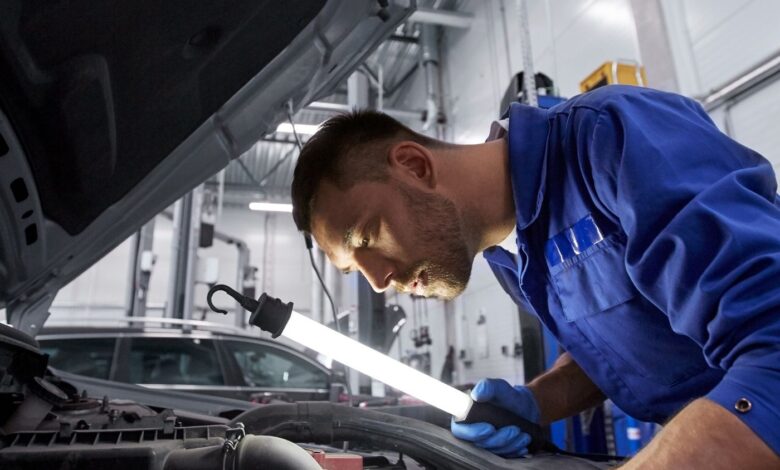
(396, 235)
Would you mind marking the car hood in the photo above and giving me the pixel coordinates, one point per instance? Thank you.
(110, 111)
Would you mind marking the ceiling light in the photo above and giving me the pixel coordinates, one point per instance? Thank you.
(301, 129)
(270, 207)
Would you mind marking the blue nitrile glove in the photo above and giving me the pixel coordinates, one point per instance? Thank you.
(509, 441)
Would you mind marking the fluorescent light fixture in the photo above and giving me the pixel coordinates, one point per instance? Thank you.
(270, 207)
(301, 129)
(320, 338)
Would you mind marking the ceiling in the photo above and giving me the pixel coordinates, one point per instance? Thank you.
(265, 171)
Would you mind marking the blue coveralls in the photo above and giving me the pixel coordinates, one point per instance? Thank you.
(649, 244)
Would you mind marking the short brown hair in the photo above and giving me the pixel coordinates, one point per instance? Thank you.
(348, 148)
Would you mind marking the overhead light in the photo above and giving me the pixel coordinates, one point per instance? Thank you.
(270, 207)
(301, 129)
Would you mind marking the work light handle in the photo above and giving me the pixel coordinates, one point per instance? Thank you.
(483, 412)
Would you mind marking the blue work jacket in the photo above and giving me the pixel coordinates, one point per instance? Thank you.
(649, 245)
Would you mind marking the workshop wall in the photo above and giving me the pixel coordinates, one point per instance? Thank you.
(277, 250)
(708, 40)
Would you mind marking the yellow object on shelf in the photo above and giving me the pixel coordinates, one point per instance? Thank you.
(612, 72)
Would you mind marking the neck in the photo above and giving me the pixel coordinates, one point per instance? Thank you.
(482, 188)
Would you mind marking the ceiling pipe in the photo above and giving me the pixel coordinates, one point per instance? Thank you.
(743, 84)
(450, 19)
(400, 114)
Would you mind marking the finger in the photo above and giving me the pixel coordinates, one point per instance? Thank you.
(516, 448)
(485, 389)
(500, 439)
(472, 432)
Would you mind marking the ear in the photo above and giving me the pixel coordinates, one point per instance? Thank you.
(413, 163)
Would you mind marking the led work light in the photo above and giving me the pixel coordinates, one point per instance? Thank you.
(272, 315)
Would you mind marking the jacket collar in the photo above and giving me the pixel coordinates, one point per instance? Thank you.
(528, 132)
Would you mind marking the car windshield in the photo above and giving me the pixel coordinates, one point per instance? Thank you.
(265, 366)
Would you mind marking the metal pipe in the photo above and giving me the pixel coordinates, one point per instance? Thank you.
(178, 246)
(743, 84)
(143, 273)
(529, 75)
(401, 114)
(192, 253)
(451, 19)
(316, 288)
(132, 272)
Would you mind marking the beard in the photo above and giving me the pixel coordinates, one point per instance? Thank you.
(437, 224)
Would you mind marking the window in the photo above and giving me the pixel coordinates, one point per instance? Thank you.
(84, 356)
(266, 366)
(174, 361)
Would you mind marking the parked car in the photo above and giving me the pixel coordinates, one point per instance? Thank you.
(227, 364)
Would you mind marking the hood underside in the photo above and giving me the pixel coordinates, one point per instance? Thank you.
(110, 111)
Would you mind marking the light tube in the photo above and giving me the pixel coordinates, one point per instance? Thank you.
(302, 129)
(270, 207)
(320, 338)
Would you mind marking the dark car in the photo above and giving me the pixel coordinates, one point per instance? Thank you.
(227, 364)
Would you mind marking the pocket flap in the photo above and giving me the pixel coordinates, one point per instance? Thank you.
(595, 281)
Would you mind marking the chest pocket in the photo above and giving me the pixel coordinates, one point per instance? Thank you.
(597, 295)
(594, 279)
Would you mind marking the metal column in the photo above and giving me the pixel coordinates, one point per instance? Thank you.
(369, 302)
(529, 75)
(317, 295)
(429, 56)
(140, 270)
(186, 230)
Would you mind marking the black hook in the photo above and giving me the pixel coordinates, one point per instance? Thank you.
(246, 302)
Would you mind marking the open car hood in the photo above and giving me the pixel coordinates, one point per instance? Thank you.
(110, 111)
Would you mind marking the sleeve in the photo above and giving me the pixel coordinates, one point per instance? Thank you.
(702, 219)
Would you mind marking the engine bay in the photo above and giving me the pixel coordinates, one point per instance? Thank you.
(48, 422)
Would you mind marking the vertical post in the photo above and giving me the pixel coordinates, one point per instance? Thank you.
(184, 246)
(429, 56)
(317, 295)
(193, 236)
(243, 275)
(357, 91)
(529, 74)
(142, 262)
(178, 250)
(132, 273)
(358, 98)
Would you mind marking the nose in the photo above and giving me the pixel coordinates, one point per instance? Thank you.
(377, 269)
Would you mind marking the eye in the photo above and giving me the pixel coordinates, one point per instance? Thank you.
(364, 242)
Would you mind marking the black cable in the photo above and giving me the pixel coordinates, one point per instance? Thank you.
(310, 249)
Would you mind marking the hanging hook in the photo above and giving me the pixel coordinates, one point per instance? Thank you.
(246, 302)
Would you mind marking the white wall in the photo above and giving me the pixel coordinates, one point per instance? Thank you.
(283, 268)
(714, 42)
(569, 39)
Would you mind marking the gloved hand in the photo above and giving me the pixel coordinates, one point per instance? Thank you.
(509, 441)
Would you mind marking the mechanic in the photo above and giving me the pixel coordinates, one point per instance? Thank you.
(648, 242)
